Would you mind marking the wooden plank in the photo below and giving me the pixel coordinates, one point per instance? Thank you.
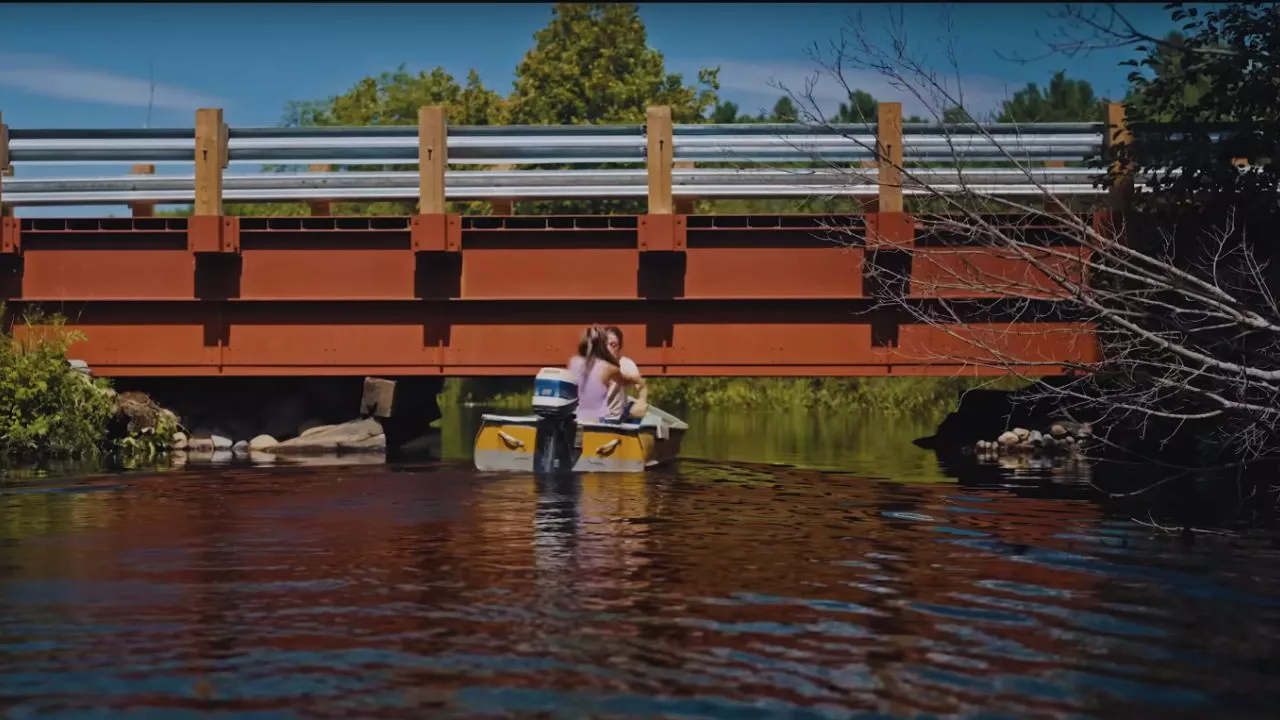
(433, 158)
(211, 153)
(1117, 133)
(4, 160)
(502, 206)
(889, 152)
(141, 209)
(659, 162)
(320, 208)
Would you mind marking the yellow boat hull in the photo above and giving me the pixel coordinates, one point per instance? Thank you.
(506, 442)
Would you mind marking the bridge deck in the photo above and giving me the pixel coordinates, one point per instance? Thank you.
(732, 295)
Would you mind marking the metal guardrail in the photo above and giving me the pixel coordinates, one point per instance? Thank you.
(536, 184)
(739, 146)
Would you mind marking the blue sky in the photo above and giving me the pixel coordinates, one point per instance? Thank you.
(64, 65)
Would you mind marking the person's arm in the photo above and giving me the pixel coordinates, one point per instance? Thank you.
(613, 374)
(629, 368)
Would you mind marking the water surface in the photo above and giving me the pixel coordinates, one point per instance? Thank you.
(721, 587)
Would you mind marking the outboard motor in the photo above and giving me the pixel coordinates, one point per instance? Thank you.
(555, 401)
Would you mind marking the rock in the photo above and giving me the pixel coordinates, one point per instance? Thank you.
(179, 441)
(364, 435)
(1035, 437)
(200, 446)
(1008, 438)
(1058, 431)
(262, 442)
(79, 366)
(308, 426)
(1022, 433)
(220, 442)
(283, 416)
(261, 458)
(240, 449)
(221, 457)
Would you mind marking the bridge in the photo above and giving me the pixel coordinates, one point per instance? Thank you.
(443, 294)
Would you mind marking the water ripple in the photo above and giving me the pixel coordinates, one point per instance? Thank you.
(716, 591)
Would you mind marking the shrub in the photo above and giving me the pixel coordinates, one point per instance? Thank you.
(46, 409)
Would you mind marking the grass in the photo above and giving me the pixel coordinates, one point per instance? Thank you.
(888, 396)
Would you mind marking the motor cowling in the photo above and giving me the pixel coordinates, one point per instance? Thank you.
(555, 393)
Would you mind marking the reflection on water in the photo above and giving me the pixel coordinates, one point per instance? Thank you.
(715, 589)
(872, 444)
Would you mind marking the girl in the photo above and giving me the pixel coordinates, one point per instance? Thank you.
(595, 368)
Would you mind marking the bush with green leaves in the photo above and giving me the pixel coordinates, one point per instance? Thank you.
(47, 409)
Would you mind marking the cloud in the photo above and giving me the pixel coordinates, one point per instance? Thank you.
(50, 77)
(757, 84)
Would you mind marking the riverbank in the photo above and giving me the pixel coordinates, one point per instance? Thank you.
(52, 408)
(886, 395)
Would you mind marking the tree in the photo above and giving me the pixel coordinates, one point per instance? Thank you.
(725, 113)
(592, 64)
(861, 108)
(1064, 100)
(784, 111)
(393, 98)
(1183, 304)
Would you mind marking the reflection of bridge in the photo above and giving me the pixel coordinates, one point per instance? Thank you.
(442, 294)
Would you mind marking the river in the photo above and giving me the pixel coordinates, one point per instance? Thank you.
(787, 567)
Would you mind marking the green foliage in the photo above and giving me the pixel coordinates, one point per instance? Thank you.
(785, 111)
(46, 409)
(889, 396)
(1219, 76)
(592, 64)
(861, 108)
(1064, 100)
(884, 396)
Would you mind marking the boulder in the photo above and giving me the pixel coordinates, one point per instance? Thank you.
(240, 449)
(220, 442)
(261, 458)
(1022, 433)
(306, 426)
(1008, 438)
(363, 435)
(179, 441)
(200, 445)
(1058, 430)
(262, 442)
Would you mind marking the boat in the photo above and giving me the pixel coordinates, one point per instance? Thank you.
(551, 440)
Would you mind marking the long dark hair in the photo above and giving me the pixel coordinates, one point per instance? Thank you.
(594, 346)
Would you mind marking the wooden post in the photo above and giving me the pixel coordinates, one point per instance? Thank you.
(433, 158)
(211, 158)
(143, 209)
(658, 130)
(684, 206)
(501, 206)
(889, 154)
(320, 207)
(5, 168)
(1117, 133)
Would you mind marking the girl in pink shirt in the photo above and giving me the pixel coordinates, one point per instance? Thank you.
(596, 368)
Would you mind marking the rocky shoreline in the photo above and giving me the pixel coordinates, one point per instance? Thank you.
(1060, 438)
(269, 420)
